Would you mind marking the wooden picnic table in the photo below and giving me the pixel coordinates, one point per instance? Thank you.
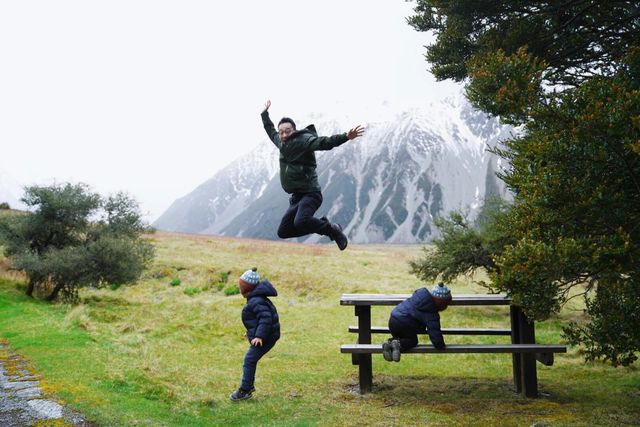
(523, 348)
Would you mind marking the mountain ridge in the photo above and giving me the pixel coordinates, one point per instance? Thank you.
(387, 186)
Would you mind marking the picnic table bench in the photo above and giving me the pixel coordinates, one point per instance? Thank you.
(523, 347)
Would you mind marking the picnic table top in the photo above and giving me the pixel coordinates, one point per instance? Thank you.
(395, 299)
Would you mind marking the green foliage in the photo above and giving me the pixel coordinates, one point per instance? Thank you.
(570, 74)
(506, 86)
(122, 216)
(459, 251)
(224, 276)
(5, 206)
(231, 290)
(465, 247)
(577, 178)
(576, 39)
(191, 291)
(613, 333)
(175, 281)
(74, 238)
(218, 283)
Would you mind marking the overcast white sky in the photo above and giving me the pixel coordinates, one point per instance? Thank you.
(153, 97)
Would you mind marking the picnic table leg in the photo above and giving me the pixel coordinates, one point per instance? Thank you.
(528, 360)
(515, 339)
(365, 369)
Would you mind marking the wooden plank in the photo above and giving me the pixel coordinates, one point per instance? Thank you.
(395, 299)
(461, 348)
(529, 369)
(514, 315)
(446, 331)
(365, 365)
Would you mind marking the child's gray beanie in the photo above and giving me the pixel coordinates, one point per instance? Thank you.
(441, 291)
(251, 277)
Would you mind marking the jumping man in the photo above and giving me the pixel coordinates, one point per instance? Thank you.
(298, 176)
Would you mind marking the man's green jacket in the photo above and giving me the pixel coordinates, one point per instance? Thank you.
(297, 158)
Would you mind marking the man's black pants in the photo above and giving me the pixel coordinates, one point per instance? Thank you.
(298, 220)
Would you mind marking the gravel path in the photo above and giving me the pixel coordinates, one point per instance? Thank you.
(22, 400)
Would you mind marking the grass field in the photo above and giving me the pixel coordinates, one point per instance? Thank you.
(154, 354)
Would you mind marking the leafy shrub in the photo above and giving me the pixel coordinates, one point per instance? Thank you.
(224, 276)
(113, 286)
(231, 290)
(175, 281)
(218, 283)
(191, 291)
(73, 237)
(5, 205)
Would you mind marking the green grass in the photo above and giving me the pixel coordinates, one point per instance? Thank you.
(155, 355)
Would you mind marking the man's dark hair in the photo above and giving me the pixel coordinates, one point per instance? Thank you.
(287, 120)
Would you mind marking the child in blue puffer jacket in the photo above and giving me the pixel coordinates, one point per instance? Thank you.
(260, 318)
(412, 316)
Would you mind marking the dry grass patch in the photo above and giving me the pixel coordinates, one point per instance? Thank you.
(155, 354)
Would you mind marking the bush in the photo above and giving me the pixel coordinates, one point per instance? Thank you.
(231, 290)
(73, 237)
(5, 206)
(175, 281)
(218, 283)
(191, 291)
(224, 276)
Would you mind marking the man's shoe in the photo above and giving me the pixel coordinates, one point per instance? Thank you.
(386, 350)
(339, 236)
(395, 350)
(240, 394)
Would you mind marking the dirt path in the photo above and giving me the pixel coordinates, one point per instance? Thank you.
(22, 400)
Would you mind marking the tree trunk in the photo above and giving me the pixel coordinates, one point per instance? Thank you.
(30, 287)
(55, 292)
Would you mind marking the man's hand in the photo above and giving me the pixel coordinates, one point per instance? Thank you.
(256, 342)
(355, 132)
(267, 105)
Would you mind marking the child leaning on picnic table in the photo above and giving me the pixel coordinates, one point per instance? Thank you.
(412, 316)
(260, 318)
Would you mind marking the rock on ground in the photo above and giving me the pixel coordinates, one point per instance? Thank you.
(22, 400)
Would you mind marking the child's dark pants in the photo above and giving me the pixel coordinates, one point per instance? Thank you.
(405, 331)
(251, 362)
(298, 220)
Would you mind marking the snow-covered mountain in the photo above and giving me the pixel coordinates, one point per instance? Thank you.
(387, 186)
(214, 204)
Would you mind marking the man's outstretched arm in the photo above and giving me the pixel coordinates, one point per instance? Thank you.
(328, 142)
(268, 124)
(355, 132)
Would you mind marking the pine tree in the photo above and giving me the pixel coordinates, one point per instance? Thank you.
(568, 72)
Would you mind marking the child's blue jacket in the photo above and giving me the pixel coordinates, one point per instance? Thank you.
(420, 310)
(259, 315)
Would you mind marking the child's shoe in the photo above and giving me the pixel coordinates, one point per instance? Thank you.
(240, 394)
(395, 350)
(386, 350)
